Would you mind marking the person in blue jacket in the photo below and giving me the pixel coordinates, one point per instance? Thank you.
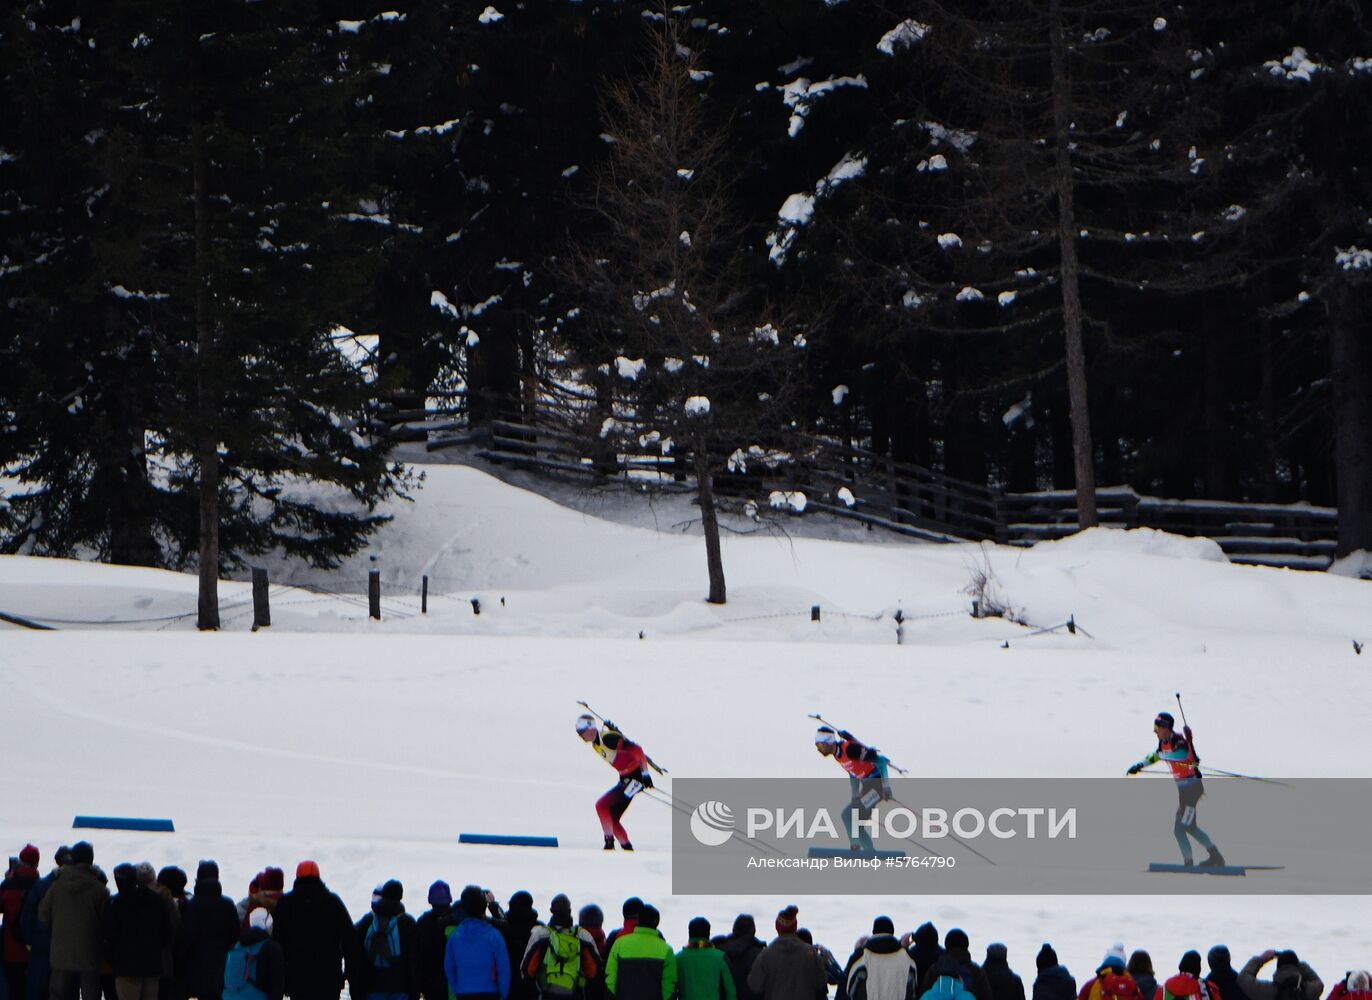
(476, 962)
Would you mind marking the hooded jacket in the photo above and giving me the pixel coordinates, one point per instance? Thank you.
(315, 933)
(477, 962)
(12, 891)
(740, 952)
(209, 928)
(1055, 983)
(1300, 978)
(73, 908)
(137, 928)
(402, 973)
(957, 962)
(883, 970)
(1005, 984)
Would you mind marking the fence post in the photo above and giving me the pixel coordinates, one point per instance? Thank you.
(814, 612)
(900, 627)
(424, 597)
(374, 594)
(261, 608)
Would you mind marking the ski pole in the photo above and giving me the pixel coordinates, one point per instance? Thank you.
(1181, 710)
(651, 763)
(816, 716)
(1245, 777)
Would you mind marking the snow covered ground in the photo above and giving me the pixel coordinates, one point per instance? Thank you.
(370, 745)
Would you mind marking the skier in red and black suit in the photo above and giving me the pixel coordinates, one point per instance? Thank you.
(868, 777)
(630, 762)
(1177, 750)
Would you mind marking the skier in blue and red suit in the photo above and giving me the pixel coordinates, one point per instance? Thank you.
(630, 762)
(868, 778)
(1177, 750)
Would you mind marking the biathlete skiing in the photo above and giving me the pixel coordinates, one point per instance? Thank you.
(868, 778)
(1178, 751)
(630, 762)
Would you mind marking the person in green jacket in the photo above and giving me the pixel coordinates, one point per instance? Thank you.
(702, 973)
(641, 965)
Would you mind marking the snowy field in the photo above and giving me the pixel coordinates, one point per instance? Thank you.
(369, 746)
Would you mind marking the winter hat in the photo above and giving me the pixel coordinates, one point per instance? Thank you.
(62, 856)
(145, 873)
(560, 906)
(1287, 957)
(261, 919)
(996, 951)
(82, 853)
(522, 902)
(125, 876)
(698, 929)
(591, 917)
(274, 879)
(1190, 962)
(649, 917)
(174, 879)
(631, 907)
(1219, 959)
(883, 925)
(440, 894)
(473, 901)
(1358, 980)
(1046, 958)
(787, 921)
(207, 871)
(956, 938)
(745, 925)
(29, 856)
(393, 890)
(306, 869)
(1114, 958)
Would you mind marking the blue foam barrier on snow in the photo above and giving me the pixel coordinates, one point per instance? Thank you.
(843, 852)
(123, 823)
(506, 840)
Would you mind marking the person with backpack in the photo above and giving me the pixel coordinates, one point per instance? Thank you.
(432, 930)
(701, 971)
(869, 780)
(629, 762)
(387, 949)
(740, 950)
(642, 965)
(954, 976)
(1112, 981)
(1054, 981)
(561, 957)
(880, 968)
(14, 950)
(476, 962)
(209, 929)
(1005, 984)
(788, 968)
(1178, 750)
(255, 967)
(1291, 980)
(1187, 983)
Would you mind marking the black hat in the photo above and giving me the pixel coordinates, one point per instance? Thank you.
(522, 902)
(631, 907)
(883, 925)
(393, 890)
(82, 853)
(62, 856)
(591, 917)
(1046, 958)
(1190, 962)
(1219, 958)
(649, 917)
(207, 871)
(1287, 957)
(745, 925)
(173, 878)
(956, 938)
(698, 929)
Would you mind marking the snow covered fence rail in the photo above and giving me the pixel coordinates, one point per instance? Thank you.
(1296, 536)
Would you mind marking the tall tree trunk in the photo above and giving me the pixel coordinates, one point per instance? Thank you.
(1217, 447)
(1083, 460)
(207, 441)
(1350, 356)
(1267, 405)
(709, 520)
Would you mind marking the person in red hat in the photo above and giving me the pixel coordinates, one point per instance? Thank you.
(315, 932)
(14, 954)
(788, 968)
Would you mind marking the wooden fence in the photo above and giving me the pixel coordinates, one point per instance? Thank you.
(847, 481)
